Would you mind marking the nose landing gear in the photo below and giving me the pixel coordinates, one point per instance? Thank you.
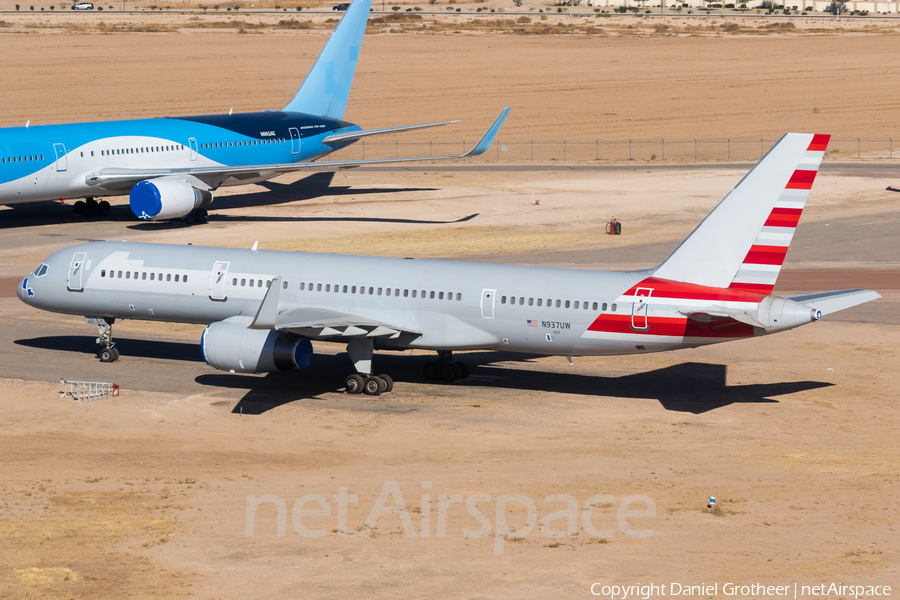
(108, 353)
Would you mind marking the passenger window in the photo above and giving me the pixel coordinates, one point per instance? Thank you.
(371, 291)
(567, 304)
(540, 301)
(512, 300)
(184, 279)
(259, 283)
(387, 292)
(405, 293)
(103, 273)
(502, 299)
(143, 276)
(440, 295)
(576, 304)
(585, 305)
(243, 282)
(159, 276)
(284, 285)
(176, 279)
(431, 296)
(414, 293)
(302, 286)
(353, 289)
(558, 302)
(613, 307)
(251, 283)
(327, 287)
(521, 300)
(345, 289)
(318, 287)
(396, 291)
(152, 276)
(458, 296)
(127, 274)
(234, 281)
(379, 291)
(531, 302)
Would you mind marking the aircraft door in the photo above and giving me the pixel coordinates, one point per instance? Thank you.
(487, 303)
(193, 144)
(61, 158)
(640, 308)
(217, 281)
(295, 140)
(76, 268)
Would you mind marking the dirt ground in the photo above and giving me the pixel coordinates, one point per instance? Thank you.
(146, 495)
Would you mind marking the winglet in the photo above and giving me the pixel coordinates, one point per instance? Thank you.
(488, 138)
(268, 308)
(327, 85)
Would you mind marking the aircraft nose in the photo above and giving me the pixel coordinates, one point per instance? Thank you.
(24, 290)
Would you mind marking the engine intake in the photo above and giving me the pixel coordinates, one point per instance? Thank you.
(233, 347)
(166, 198)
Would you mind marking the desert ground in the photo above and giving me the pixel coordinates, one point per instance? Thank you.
(146, 495)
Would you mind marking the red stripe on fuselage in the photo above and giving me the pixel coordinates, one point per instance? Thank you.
(766, 255)
(759, 288)
(672, 326)
(819, 143)
(784, 217)
(665, 288)
(801, 180)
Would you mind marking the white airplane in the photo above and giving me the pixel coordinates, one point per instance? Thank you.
(263, 309)
(171, 166)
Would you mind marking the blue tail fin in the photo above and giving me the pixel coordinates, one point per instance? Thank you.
(326, 88)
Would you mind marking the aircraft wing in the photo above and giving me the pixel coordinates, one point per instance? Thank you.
(320, 323)
(214, 176)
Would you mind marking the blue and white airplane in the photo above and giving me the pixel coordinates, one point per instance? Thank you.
(172, 165)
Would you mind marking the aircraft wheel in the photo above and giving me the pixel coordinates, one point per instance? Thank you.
(451, 372)
(463, 370)
(107, 355)
(79, 208)
(388, 382)
(91, 208)
(202, 216)
(104, 208)
(353, 384)
(432, 371)
(373, 386)
(115, 354)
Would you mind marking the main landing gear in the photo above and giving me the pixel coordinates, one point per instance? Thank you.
(91, 208)
(363, 382)
(198, 216)
(444, 368)
(108, 353)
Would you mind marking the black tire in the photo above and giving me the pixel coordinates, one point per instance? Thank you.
(432, 371)
(79, 208)
(105, 208)
(202, 216)
(373, 386)
(106, 355)
(115, 352)
(463, 370)
(618, 228)
(451, 372)
(353, 384)
(388, 382)
(91, 207)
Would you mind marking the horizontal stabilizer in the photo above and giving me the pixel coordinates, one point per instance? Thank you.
(830, 302)
(355, 135)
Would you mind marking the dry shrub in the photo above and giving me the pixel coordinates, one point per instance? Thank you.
(732, 28)
(396, 18)
(660, 28)
(294, 24)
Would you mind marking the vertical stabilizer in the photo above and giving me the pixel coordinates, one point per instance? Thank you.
(326, 88)
(742, 243)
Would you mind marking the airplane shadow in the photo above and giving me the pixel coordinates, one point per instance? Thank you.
(687, 387)
(79, 344)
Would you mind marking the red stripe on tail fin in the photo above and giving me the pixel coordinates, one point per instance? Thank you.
(819, 143)
(766, 255)
(784, 217)
(801, 180)
(759, 288)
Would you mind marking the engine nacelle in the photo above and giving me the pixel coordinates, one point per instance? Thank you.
(233, 347)
(166, 198)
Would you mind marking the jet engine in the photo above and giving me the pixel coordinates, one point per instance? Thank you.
(232, 347)
(166, 198)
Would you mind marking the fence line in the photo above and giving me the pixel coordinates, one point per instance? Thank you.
(727, 150)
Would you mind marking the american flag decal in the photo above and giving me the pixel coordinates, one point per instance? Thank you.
(532, 322)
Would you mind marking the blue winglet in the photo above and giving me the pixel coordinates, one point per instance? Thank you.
(488, 138)
(326, 88)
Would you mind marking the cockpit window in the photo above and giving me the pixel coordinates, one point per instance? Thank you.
(41, 270)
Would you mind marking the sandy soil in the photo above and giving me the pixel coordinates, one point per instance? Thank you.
(146, 495)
